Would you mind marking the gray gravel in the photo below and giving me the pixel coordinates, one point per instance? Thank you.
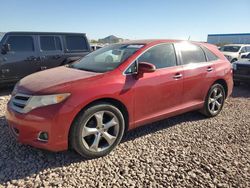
(184, 151)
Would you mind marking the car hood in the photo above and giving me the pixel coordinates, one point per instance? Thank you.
(243, 62)
(54, 80)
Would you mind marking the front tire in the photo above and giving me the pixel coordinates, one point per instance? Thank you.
(97, 130)
(214, 101)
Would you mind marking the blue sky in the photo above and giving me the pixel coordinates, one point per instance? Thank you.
(132, 19)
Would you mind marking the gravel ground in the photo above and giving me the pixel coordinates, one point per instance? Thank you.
(184, 151)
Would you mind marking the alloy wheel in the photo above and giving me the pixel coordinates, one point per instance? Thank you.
(100, 131)
(215, 100)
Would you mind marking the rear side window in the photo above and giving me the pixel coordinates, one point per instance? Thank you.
(210, 55)
(21, 43)
(191, 53)
(50, 43)
(76, 43)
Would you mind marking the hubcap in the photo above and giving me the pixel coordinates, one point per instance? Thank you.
(215, 100)
(100, 131)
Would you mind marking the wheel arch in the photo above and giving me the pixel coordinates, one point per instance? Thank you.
(115, 102)
(224, 84)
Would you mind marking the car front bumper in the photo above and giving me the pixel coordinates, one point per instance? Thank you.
(27, 127)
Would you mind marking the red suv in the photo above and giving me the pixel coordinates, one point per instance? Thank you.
(89, 104)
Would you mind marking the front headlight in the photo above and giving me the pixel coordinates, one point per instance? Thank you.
(45, 100)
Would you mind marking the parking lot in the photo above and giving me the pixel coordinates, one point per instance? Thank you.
(184, 151)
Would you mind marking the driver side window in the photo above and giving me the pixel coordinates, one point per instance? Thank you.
(161, 56)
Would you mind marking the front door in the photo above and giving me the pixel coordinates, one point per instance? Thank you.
(158, 93)
(21, 60)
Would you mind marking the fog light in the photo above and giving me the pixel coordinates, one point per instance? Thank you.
(43, 136)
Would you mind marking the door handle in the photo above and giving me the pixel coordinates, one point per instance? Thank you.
(177, 76)
(209, 69)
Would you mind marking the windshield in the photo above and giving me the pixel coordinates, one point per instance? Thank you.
(230, 48)
(107, 58)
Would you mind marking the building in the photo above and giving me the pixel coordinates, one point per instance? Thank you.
(237, 38)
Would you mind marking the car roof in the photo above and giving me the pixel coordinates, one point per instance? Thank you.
(41, 33)
(149, 41)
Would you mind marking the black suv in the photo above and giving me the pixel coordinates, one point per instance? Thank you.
(23, 53)
(241, 70)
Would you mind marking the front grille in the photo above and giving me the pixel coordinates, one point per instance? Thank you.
(19, 101)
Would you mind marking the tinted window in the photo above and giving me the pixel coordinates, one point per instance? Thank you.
(50, 43)
(58, 43)
(21, 43)
(248, 48)
(76, 43)
(210, 55)
(161, 56)
(191, 53)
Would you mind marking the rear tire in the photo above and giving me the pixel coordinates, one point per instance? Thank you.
(214, 101)
(97, 130)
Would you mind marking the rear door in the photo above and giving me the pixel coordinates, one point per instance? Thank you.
(51, 51)
(197, 71)
(21, 60)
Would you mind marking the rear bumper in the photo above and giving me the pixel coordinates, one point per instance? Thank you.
(26, 128)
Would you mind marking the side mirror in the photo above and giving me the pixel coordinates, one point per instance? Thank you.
(5, 48)
(144, 67)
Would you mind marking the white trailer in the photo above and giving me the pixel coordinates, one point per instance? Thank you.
(238, 38)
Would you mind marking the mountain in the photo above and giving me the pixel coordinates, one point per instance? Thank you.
(110, 39)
